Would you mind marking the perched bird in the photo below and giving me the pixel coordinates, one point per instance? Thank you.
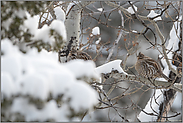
(78, 54)
(148, 67)
(71, 53)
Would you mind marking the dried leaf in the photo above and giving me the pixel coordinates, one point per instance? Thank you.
(107, 49)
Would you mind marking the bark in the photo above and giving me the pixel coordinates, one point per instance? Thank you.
(72, 23)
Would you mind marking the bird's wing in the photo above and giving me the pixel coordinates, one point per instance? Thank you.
(153, 63)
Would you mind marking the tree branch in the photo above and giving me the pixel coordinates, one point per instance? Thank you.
(156, 27)
(118, 38)
(155, 83)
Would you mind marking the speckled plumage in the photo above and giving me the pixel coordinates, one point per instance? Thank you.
(148, 67)
(78, 54)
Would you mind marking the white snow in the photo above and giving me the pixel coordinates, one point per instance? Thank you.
(151, 105)
(31, 113)
(100, 9)
(83, 68)
(39, 74)
(12, 65)
(89, 96)
(31, 23)
(7, 23)
(172, 44)
(7, 47)
(8, 87)
(44, 33)
(98, 41)
(130, 9)
(22, 106)
(96, 31)
(60, 14)
(59, 27)
(20, 13)
(134, 31)
(174, 40)
(108, 67)
(61, 81)
(50, 111)
(35, 85)
(153, 14)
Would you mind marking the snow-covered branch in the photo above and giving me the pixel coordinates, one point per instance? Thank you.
(92, 83)
(114, 70)
(36, 83)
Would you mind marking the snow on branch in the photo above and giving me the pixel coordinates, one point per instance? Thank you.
(114, 70)
(51, 36)
(110, 66)
(95, 31)
(41, 84)
(130, 9)
(153, 14)
(173, 45)
(161, 102)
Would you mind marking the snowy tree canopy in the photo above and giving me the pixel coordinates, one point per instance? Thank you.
(75, 61)
(41, 79)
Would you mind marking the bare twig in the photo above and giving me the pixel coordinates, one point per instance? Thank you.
(110, 104)
(158, 84)
(118, 38)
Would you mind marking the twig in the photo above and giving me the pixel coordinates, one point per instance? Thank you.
(164, 48)
(147, 28)
(153, 113)
(158, 84)
(110, 103)
(118, 38)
